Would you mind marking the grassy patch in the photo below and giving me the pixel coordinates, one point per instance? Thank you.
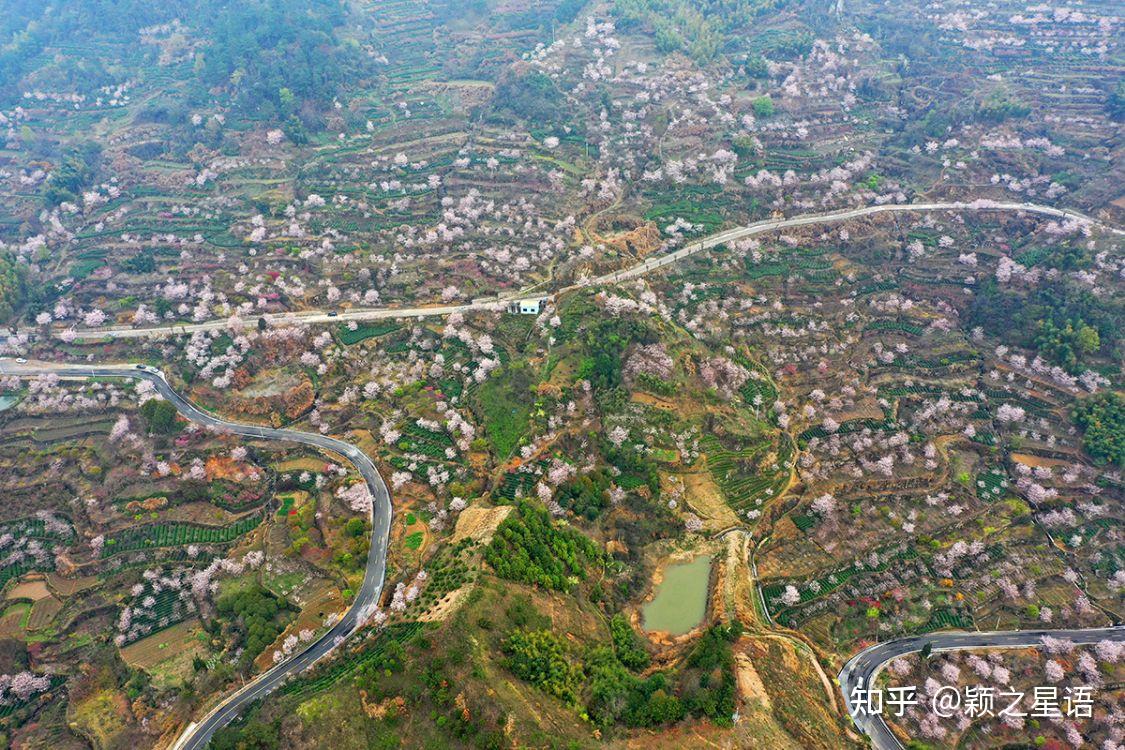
(167, 655)
(506, 409)
(363, 332)
(100, 717)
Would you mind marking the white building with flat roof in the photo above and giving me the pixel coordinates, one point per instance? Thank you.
(527, 306)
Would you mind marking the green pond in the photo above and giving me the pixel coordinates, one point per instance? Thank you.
(7, 402)
(681, 598)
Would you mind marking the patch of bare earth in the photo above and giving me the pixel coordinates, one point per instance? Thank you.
(750, 685)
(656, 402)
(303, 463)
(33, 589)
(269, 383)
(479, 523)
(225, 467)
(704, 497)
(448, 604)
(738, 586)
(379, 709)
(1033, 461)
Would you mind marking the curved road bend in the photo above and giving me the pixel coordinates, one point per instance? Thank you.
(640, 269)
(862, 669)
(198, 734)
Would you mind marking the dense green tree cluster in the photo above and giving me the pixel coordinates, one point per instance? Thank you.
(1066, 344)
(1115, 102)
(273, 57)
(11, 285)
(1102, 419)
(257, 616)
(568, 10)
(586, 494)
(160, 415)
(612, 694)
(678, 26)
(628, 647)
(791, 44)
(763, 106)
(254, 735)
(529, 547)
(29, 26)
(1067, 320)
(606, 342)
(540, 657)
(999, 106)
(697, 28)
(142, 262)
(710, 683)
(611, 686)
(617, 696)
(1066, 257)
(704, 688)
(531, 95)
(74, 173)
(508, 16)
(605, 682)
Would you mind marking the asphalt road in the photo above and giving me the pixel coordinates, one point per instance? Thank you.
(862, 669)
(640, 269)
(198, 734)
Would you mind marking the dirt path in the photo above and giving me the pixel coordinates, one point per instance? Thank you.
(741, 541)
(825, 681)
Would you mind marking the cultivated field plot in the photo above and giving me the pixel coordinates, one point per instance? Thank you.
(167, 655)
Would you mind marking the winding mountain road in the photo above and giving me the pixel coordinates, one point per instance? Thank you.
(198, 734)
(862, 669)
(640, 269)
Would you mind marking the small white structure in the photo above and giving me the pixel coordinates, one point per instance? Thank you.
(527, 306)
